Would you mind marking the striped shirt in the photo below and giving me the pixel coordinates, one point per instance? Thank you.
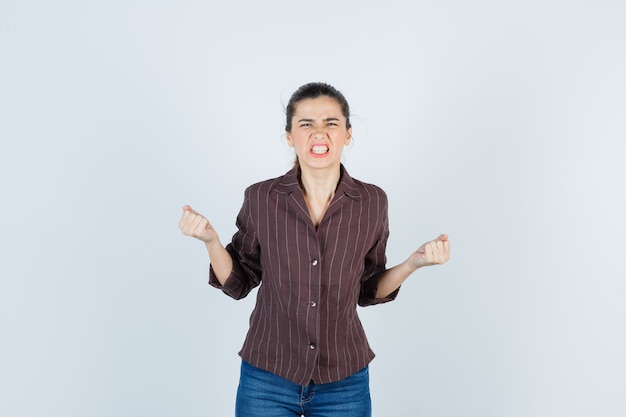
(305, 326)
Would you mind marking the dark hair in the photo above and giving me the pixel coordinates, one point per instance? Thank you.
(315, 90)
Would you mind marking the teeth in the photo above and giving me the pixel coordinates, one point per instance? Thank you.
(319, 149)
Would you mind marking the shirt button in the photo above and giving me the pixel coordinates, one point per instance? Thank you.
(313, 304)
(314, 262)
(312, 346)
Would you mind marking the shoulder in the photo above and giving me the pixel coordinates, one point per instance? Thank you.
(370, 189)
(364, 190)
(265, 187)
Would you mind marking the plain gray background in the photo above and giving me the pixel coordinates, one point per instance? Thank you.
(500, 123)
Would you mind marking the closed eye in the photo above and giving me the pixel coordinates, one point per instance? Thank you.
(305, 122)
(332, 121)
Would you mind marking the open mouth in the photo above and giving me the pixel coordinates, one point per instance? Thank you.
(319, 149)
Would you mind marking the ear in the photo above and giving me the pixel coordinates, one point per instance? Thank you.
(289, 139)
(349, 136)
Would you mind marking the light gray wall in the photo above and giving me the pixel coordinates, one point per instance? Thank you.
(502, 125)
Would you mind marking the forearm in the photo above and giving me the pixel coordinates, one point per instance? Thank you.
(435, 252)
(393, 278)
(221, 261)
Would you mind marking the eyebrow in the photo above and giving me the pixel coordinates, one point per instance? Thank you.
(328, 119)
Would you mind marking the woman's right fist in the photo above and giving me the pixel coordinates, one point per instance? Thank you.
(194, 224)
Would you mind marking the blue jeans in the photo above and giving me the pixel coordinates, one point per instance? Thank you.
(263, 394)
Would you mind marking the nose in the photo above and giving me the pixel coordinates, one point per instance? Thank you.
(319, 132)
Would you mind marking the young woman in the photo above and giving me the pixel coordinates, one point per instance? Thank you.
(315, 239)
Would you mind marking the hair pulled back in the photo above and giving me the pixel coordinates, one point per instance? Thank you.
(315, 90)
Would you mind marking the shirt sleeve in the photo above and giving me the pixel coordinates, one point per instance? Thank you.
(246, 255)
(375, 262)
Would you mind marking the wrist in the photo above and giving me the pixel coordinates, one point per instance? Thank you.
(213, 244)
(411, 266)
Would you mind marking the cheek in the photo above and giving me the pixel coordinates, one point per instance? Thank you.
(297, 141)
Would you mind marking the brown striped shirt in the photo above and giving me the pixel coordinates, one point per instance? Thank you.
(305, 325)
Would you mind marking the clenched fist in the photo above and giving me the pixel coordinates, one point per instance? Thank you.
(194, 224)
(435, 252)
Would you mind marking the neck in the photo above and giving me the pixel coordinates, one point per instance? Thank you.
(319, 184)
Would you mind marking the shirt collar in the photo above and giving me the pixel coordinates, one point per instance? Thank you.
(289, 183)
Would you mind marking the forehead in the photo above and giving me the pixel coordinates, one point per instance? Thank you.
(319, 107)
